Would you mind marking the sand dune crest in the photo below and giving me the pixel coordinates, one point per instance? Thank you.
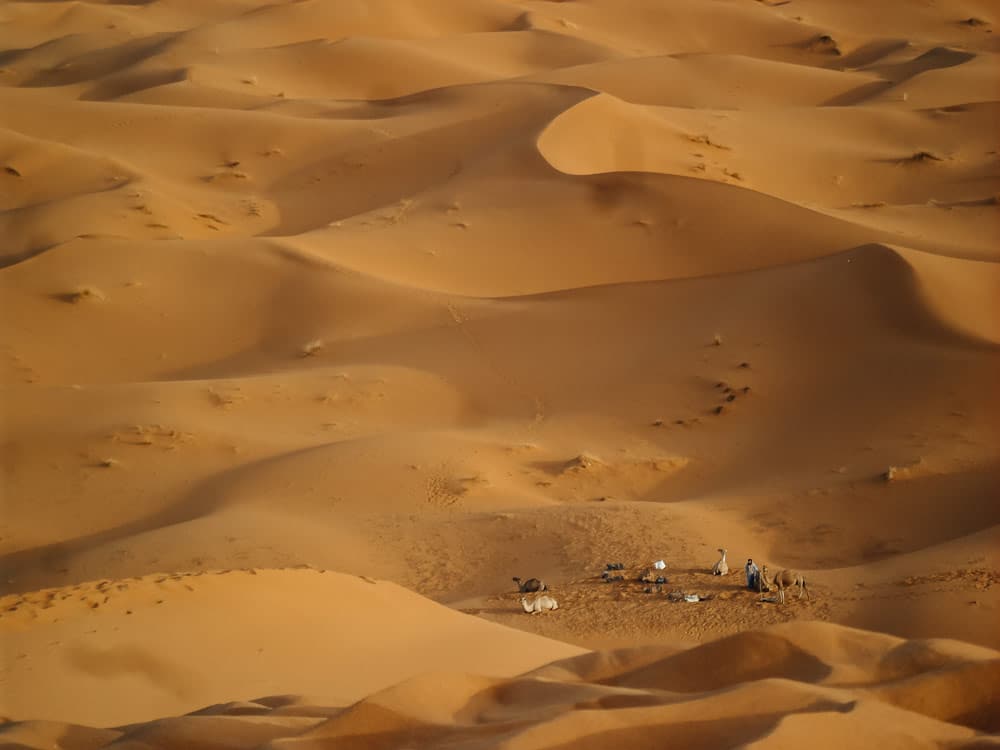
(438, 708)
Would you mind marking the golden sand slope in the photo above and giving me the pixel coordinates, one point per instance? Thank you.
(789, 686)
(116, 651)
(443, 292)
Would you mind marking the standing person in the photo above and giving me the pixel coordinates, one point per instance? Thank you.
(753, 575)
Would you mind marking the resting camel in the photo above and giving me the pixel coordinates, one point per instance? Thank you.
(540, 604)
(721, 568)
(530, 586)
(783, 579)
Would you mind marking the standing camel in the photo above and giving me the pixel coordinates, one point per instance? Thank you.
(783, 579)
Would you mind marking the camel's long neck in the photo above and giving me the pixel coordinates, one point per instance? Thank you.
(524, 604)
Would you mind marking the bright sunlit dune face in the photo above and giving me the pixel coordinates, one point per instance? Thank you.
(298, 296)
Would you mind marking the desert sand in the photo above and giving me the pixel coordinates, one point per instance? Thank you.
(319, 321)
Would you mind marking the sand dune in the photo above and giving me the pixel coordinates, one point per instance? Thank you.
(107, 635)
(439, 293)
(767, 689)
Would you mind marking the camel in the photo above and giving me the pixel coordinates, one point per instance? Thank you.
(783, 579)
(540, 604)
(530, 586)
(721, 568)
